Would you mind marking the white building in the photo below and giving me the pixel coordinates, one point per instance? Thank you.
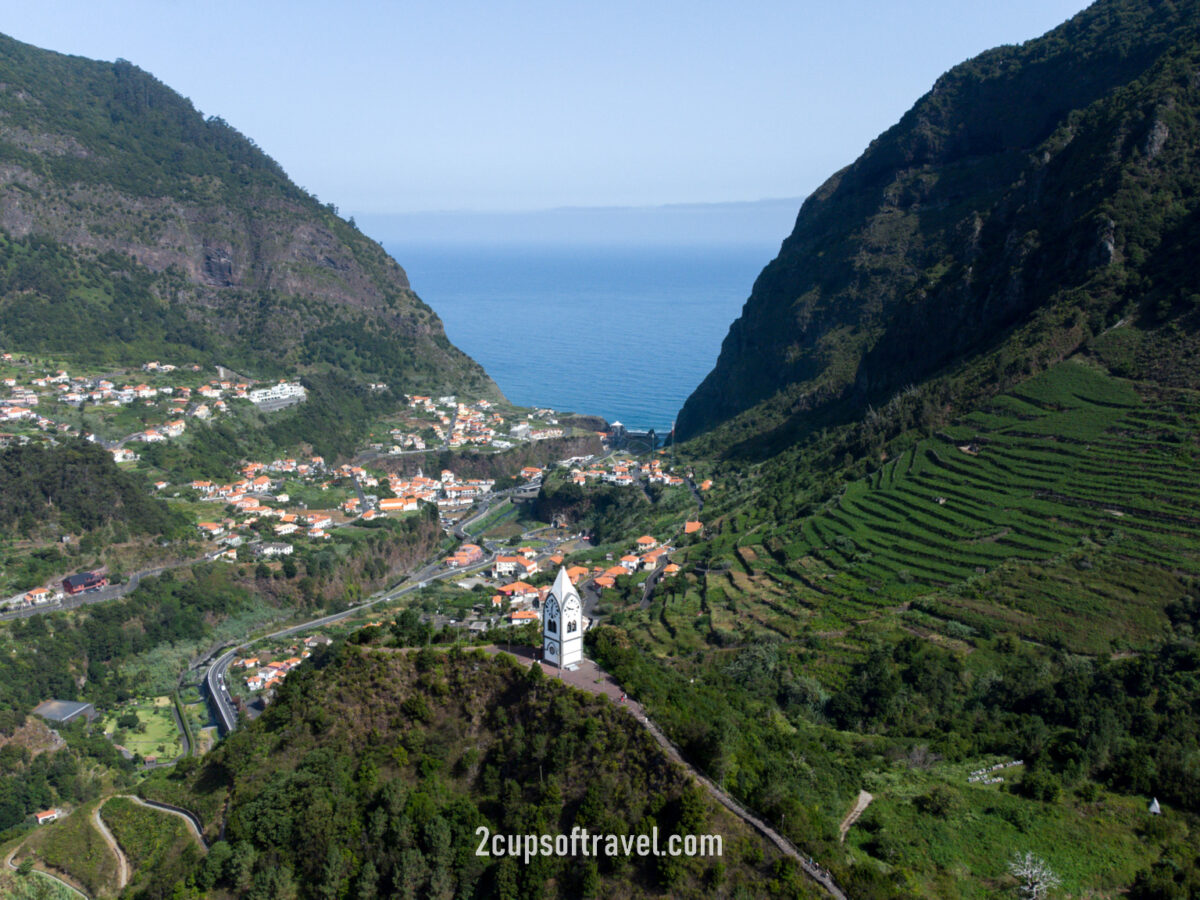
(562, 624)
(283, 391)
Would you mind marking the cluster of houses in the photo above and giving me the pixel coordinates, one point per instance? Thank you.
(19, 407)
(624, 472)
(456, 424)
(448, 492)
(249, 496)
(183, 401)
(523, 601)
(268, 675)
(100, 390)
(647, 555)
(475, 425)
(472, 424)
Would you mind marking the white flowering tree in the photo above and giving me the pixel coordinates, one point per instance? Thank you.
(1036, 878)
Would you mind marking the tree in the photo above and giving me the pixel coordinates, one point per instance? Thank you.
(1036, 878)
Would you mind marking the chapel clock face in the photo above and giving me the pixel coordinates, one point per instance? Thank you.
(571, 607)
(552, 608)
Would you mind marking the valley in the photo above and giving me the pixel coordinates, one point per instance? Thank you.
(905, 606)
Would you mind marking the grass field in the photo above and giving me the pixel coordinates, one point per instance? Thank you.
(156, 733)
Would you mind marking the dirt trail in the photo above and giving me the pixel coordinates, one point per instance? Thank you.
(860, 805)
(122, 862)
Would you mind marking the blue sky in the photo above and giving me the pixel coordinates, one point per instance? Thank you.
(411, 106)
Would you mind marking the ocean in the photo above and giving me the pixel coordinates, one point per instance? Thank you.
(624, 332)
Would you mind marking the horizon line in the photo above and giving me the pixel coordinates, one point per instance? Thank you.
(616, 207)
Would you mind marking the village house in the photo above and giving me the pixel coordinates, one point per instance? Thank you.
(467, 555)
(518, 592)
(506, 566)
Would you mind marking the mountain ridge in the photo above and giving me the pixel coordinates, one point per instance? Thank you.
(962, 221)
(161, 213)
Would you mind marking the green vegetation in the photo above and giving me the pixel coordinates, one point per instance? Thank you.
(75, 848)
(75, 488)
(158, 846)
(51, 654)
(382, 796)
(33, 886)
(146, 728)
(1019, 583)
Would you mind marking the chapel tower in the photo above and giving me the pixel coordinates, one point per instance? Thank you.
(562, 624)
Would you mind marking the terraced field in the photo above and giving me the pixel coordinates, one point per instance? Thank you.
(1069, 499)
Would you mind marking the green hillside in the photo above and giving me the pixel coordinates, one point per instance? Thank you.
(372, 771)
(955, 445)
(133, 228)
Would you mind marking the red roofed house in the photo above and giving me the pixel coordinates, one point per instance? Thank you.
(513, 565)
(518, 591)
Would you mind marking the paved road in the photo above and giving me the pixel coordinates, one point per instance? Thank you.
(112, 592)
(362, 498)
(190, 819)
(215, 678)
(652, 579)
(9, 861)
(122, 862)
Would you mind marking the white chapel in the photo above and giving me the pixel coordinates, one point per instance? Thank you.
(562, 624)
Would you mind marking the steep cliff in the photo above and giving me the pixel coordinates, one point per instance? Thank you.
(1036, 196)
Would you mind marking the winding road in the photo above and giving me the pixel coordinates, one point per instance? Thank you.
(214, 679)
(122, 862)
